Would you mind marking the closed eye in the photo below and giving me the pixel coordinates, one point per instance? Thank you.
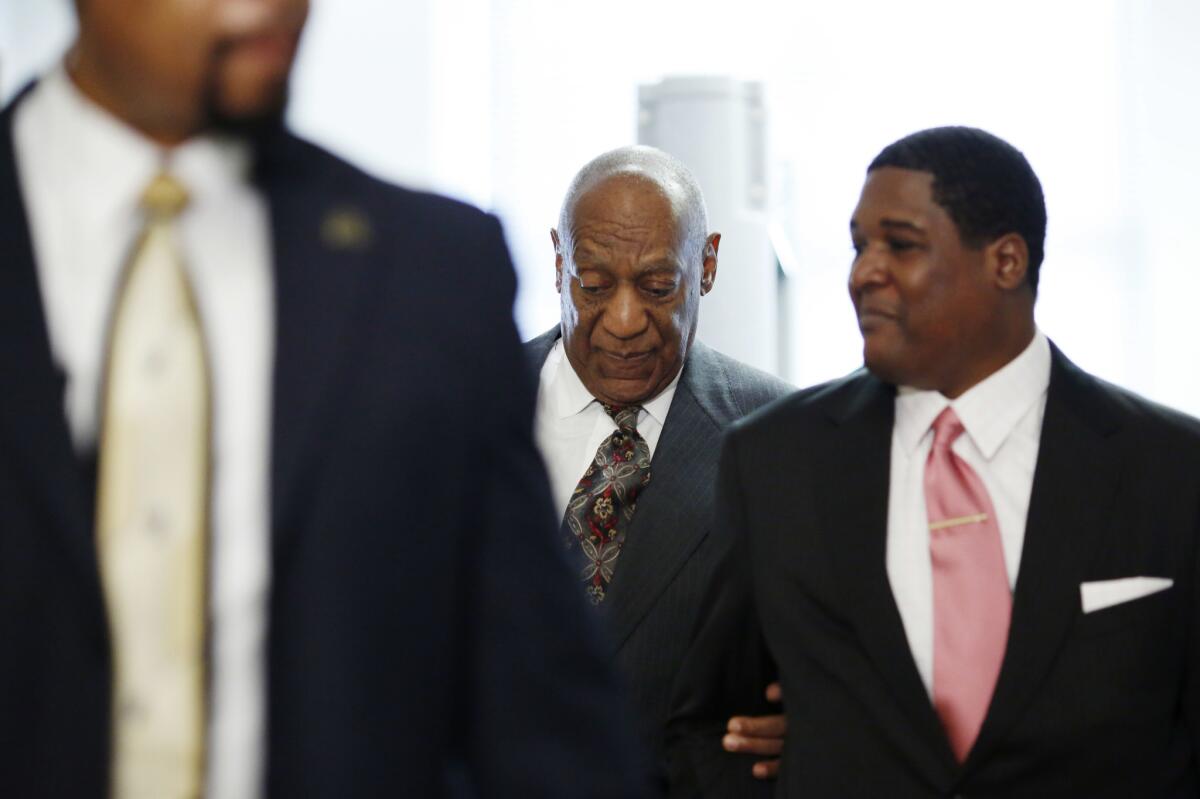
(591, 285)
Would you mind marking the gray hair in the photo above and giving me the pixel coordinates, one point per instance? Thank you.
(665, 171)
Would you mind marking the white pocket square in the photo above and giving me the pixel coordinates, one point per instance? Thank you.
(1106, 593)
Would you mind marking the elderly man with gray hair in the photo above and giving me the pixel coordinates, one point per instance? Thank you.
(630, 414)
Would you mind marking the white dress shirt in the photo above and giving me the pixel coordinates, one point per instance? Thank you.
(570, 423)
(82, 172)
(1002, 416)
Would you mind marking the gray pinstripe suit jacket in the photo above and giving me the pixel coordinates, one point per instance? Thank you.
(671, 549)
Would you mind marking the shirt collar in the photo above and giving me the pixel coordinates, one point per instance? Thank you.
(570, 396)
(658, 407)
(108, 164)
(989, 410)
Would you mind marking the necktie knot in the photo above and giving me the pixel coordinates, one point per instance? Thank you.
(164, 197)
(625, 416)
(947, 427)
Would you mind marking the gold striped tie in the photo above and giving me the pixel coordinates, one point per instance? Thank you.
(152, 513)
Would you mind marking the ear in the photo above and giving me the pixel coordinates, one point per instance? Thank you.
(1008, 261)
(557, 260)
(708, 271)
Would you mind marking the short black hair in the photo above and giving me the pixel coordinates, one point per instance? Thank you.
(985, 184)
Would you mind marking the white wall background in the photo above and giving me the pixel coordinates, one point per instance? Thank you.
(500, 101)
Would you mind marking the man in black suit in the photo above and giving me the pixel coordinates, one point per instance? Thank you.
(633, 255)
(974, 565)
(320, 559)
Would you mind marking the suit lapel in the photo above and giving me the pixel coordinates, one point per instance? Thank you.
(675, 512)
(1075, 484)
(855, 517)
(32, 416)
(538, 349)
(321, 247)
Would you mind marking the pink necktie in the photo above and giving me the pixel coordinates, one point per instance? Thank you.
(972, 603)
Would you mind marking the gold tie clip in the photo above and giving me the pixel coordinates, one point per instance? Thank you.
(958, 520)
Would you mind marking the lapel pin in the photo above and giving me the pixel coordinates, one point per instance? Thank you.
(346, 229)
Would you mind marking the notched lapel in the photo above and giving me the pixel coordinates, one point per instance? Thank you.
(674, 513)
(1075, 485)
(855, 513)
(537, 350)
(322, 244)
(32, 415)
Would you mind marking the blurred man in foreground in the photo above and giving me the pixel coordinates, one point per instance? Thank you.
(630, 414)
(272, 521)
(974, 564)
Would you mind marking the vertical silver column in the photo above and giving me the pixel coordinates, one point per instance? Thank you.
(717, 127)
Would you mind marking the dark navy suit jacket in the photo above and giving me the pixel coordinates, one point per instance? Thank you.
(1099, 704)
(420, 611)
(673, 546)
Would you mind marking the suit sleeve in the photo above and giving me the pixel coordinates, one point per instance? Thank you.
(727, 667)
(541, 715)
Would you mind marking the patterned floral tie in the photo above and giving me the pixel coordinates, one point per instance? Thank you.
(602, 505)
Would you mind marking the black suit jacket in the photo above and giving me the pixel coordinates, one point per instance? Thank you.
(672, 545)
(1090, 705)
(420, 611)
